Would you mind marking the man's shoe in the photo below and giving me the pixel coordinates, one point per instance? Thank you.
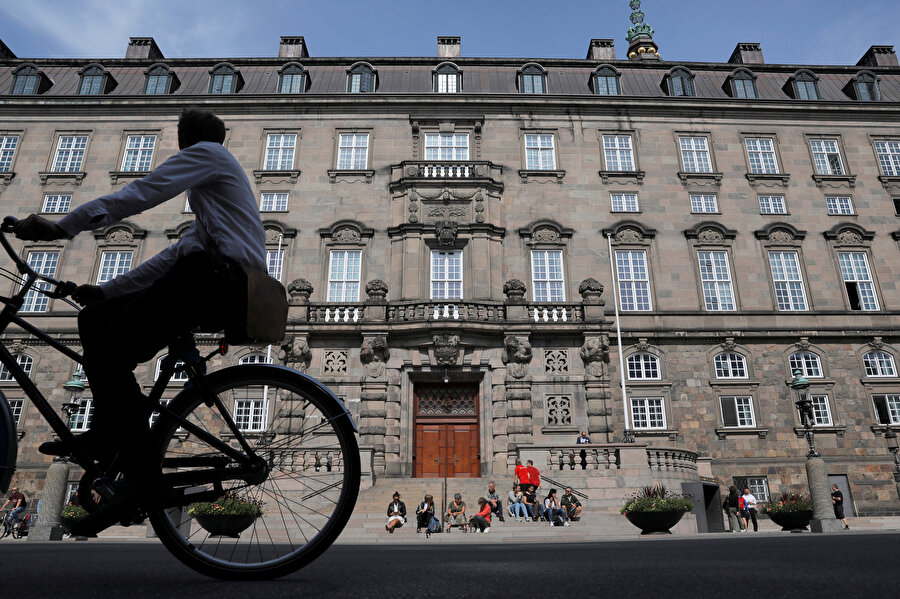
(846, 527)
(89, 440)
(565, 523)
(488, 529)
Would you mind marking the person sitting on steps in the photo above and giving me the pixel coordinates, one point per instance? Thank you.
(424, 513)
(396, 512)
(456, 513)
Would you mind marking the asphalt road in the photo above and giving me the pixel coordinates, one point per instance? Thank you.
(781, 565)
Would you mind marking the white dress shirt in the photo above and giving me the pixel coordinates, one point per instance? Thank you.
(219, 194)
(749, 500)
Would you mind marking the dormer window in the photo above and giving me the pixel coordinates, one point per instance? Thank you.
(28, 80)
(680, 82)
(533, 80)
(805, 86)
(361, 79)
(159, 81)
(95, 81)
(865, 87)
(293, 79)
(447, 79)
(743, 84)
(224, 79)
(605, 81)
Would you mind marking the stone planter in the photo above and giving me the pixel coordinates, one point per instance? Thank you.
(655, 522)
(791, 521)
(226, 525)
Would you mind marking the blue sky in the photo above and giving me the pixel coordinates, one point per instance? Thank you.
(790, 31)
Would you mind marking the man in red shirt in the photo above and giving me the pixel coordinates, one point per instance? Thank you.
(534, 476)
(18, 504)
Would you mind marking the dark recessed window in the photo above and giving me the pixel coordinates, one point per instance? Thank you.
(224, 79)
(532, 80)
(805, 86)
(28, 80)
(293, 79)
(865, 88)
(94, 81)
(159, 81)
(447, 79)
(606, 82)
(897, 206)
(361, 79)
(743, 84)
(680, 83)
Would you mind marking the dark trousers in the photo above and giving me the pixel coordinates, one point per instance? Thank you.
(498, 509)
(120, 332)
(423, 518)
(753, 519)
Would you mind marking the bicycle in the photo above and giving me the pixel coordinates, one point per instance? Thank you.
(204, 455)
(17, 529)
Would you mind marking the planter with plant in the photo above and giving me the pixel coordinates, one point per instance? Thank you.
(792, 511)
(655, 510)
(227, 516)
(71, 514)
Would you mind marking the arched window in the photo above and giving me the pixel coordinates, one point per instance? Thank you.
(532, 80)
(879, 363)
(361, 79)
(28, 80)
(178, 376)
(643, 366)
(292, 79)
(865, 88)
(605, 81)
(25, 361)
(680, 82)
(224, 79)
(95, 81)
(805, 86)
(159, 80)
(730, 365)
(254, 359)
(447, 79)
(807, 363)
(743, 84)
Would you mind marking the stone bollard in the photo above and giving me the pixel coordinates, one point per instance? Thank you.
(823, 519)
(48, 527)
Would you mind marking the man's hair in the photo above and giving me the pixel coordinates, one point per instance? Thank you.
(196, 125)
(530, 463)
(457, 496)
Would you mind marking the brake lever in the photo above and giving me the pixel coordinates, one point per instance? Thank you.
(9, 224)
(63, 289)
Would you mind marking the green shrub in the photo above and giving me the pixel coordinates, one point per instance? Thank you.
(789, 503)
(657, 499)
(73, 512)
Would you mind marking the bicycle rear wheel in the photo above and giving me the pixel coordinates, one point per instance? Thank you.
(292, 422)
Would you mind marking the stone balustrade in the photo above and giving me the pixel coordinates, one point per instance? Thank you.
(668, 459)
(469, 311)
(490, 312)
(336, 313)
(607, 456)
(556, 312)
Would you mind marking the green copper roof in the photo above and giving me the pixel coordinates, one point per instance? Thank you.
(639, 28)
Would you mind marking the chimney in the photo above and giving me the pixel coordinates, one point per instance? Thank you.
(879, 56)
(292, 46)
(449, 46)
(747, 53)
(601, 49)
(143, 47)
(5, 52)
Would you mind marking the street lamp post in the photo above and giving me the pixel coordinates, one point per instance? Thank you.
(823, 519)
(891, 437)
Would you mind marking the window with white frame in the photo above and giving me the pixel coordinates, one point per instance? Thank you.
(24, 361)
(634, 280)
(532, 80)
(789, 291)
(56, 203)
(344, 275)
(887, 408)
(280, 151)
(821, 410)
(92, 82)
(177, 376)
(648, 413)
(681, 83)
(737, 411)
(858, 280)
(250, 415)
(113, 264)
(158, 81)
(642, 367)
(353, 151)
(888, 151)
(761, 153)
(758, 485)
(138, 153)
(254, 359)
(838, 205)
(273, 202)
(623, 202)
(539, 152)
(618, 152)
(361, 79)
(547, 276)
(8, 145)
(446, 146)
(772, 205)
(81, 419)
(275, 263)
(447, 79)
(877, 364)
(704, 203)
(43, 263)
(730, 365)
(715, 276)
(695, 154)
(606, 82)
(743, 84)
(293, 80)
(446, 275)
(808, 363)
(155, 415)
(827, 156)
(17, 406)
(223, 80)
(69, 154)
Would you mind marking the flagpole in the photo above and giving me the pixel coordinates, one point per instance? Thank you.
(627, 436)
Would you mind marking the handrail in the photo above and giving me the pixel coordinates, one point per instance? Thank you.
(557, 483)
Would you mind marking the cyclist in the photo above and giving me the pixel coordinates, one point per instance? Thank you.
(130, 318)
(18, 503)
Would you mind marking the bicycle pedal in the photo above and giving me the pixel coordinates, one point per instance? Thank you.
(134, 519)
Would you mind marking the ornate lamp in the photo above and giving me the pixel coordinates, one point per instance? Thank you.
(75, 388)
(805, 407)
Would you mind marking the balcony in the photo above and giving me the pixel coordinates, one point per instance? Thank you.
(450, 173)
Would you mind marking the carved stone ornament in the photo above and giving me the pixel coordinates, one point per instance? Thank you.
(373, 354)
(594, 353)
(376, 289)
(300, 288)
(413, 208)
(780, 236)
(295, 353)
(803, 343)
(590, 290)
(346, 235)
(446, 349)
(516, 355)
(877, 343)
(849, 238)
(642, 345)
(120, 237)
(446, 231)
(710, 236)
(272, 236)
(629, 236)
(18, 347)
(546, 235)
(729, 344)
(514, 289)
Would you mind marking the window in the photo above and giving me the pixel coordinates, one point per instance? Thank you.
(176, 377)
(155, 415)
(344, 275)
(138, 153)
(159, 81)
(681, 83)
(56, 204)
(447, 79)
(887, 408)
(250, 415)
(81, 420)
(758, 485)
(807, 363)
(642, 367)
(280, 151)
(113, 264)
(539, 153)
(827, 156)
(446, 146)
(43, 263)
(821, 411)
(718, 293)
(24, 361)
(866, 89)
(888, 151)
(8, 144)
(761, 152)
(695, 154)
(606, 82)
(624, 202)
(273, 202)
(223, 80)
(858, 280)
(737, 411)
(275, 263)
(27, 80)
(704, 203)
(353, 151)
(361, 79)
(730, 365)
(547, 276)
(805, 86)
(788, 281)
(618, 153)
(69, 153)
(93, 81)
(743, 85)
(648, 412)
(254, 359)
(293, 80)
(17, 406)
(532, 80)
(446, 275)
(879, 363)
(772, 205)
(634, 281)
(839, 205)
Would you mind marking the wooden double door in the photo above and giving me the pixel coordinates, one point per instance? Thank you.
(446, 431)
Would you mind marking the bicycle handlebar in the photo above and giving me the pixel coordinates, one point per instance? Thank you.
(60, 289)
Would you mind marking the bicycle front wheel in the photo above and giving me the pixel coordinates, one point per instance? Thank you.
(307, 440)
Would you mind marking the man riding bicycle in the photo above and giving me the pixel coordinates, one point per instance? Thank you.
(130, 318)
(18, 502)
